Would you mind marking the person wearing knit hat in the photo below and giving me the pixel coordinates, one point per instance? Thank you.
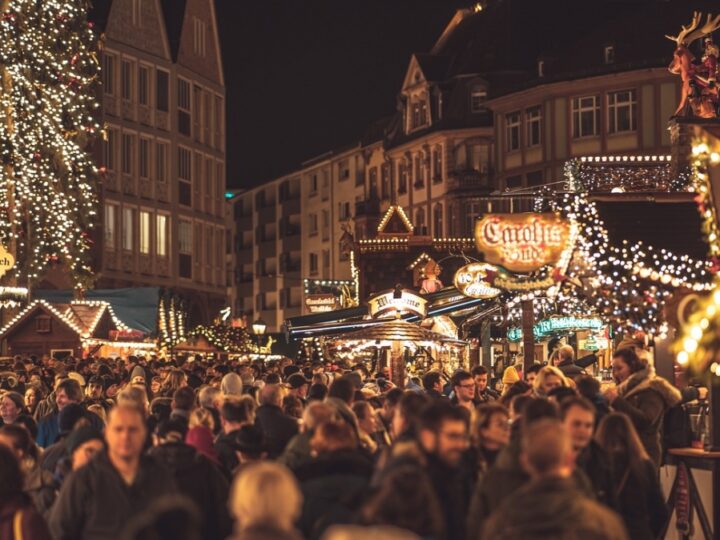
(82, 444)
(138, 375)
(510, 376)
(231, 385)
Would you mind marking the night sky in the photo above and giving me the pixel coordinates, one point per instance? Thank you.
(307, 76)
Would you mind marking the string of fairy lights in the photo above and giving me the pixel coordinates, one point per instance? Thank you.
(48, 120)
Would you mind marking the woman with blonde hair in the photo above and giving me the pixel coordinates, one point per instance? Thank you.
(548, 378)
(265, 499)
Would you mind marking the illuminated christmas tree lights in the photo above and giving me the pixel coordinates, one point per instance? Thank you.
(48, 197)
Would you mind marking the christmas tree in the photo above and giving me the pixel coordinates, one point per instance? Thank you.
(49, 70)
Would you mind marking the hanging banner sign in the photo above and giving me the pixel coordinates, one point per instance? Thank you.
(7, 261)
(386, 304)
(474, 280)
(548, 327)
(522, 243)
(320, 303)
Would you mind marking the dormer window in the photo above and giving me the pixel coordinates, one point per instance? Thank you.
(609, 54)
(541, 68)
(418, 114)
(478, 97)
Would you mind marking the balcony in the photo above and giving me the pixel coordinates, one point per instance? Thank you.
(267, 214)
(245, 254)
(291, 207)
(245, 289)
(244, 223)
(476, 181)
(267, 249)
(370, 207)
(291, 243)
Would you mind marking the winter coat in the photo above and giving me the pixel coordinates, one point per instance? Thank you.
(595, 463)
(41, 487)
(201, 481)
(570, 369)
(552, 508)
(298, 451)
(95, 503)
(501, 480)
(224, 448)
(20, 513)
(49, 429)
(277, 427)
(265, 532)
(333, 485)
(645, 398)
(641, 501)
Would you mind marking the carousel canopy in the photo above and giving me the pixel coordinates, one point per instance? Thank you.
(398, 330)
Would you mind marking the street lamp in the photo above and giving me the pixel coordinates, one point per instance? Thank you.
(259, 328)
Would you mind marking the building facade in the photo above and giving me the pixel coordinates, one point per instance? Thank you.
(163, 160)
(484, 112)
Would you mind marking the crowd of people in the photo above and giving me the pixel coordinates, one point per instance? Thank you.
(139, 448)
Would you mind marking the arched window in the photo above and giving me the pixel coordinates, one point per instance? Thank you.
(419, 218)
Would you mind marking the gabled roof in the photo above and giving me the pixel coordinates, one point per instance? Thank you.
(82, 317)
(395, 221)
(174, 15)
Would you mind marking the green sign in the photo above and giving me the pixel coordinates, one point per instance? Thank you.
(548, 327)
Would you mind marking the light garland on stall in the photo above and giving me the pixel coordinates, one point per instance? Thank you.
(48, 108)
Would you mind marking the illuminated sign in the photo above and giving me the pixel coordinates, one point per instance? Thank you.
(522, 243)
(474, 280)
(548, 327)
(7, 261)
(320, 303)
(386, 304)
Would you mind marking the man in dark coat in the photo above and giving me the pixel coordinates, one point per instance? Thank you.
(483, 393)
(277, 427)
(550, 505)
(235, 413)
(196, 477)
(67, 392)
(433, 383)
(566, 363)
(98, 500)
(578, 416)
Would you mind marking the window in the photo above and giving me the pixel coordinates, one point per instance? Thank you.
(472, 213)
(199, 33)
(162, 87)
(313, 260)
(185, 246)
(609, 53)
(144, 85)
(110, 148)
(419, 176)
(184, 113)
(313, 184)
(420, 221)
(128, 144)
(344, 211)
(512, 182)
(161, 154)
(344, 170)
(43, 324)
(126, 80)
(402, 176)
(586, 116)
(373, 183)
(136, 12)
(313, 224)
(144, 158)
(110, 226)
(419, 114)
(326, 260)
(108, 73)
(535, 178)
(478, 96)
(622, 111)
(541, 68)
(533, 121)
(128, 226)
(325, 224)
(144, 232)
(437, 164)
(438, 221)
(161, 235)
(184, 176)
(260, 302)
(512, 131)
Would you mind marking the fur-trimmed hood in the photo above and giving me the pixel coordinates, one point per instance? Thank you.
(645, 379)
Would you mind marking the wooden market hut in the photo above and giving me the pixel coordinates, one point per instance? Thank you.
(60, 329)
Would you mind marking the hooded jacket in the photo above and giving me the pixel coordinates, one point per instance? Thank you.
(645, 398)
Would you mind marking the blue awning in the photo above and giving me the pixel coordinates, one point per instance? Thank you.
(136, 307)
